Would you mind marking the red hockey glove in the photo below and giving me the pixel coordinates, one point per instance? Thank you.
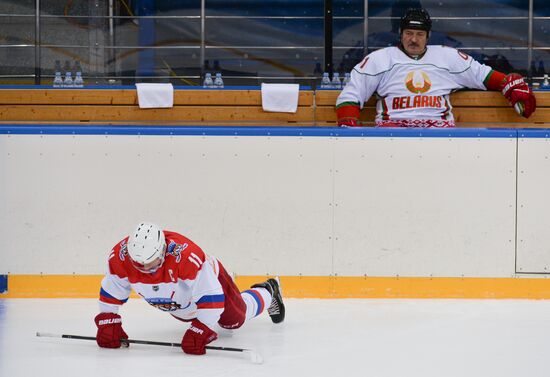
(347, 114)
(348, 122)
(109, 330)
(520, 96)
(197, 336)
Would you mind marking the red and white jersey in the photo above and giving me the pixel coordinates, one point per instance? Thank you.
(186, 285)
(413, 89)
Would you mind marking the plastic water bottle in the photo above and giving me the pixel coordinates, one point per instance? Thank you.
(57, 80)
(218, 81)
(347, 79)
(78, 80)
(208, 82)
(68, 82)
(545, 82)
(336, 83)
(325, 81)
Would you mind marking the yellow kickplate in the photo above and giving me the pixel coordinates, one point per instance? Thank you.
(87, 286)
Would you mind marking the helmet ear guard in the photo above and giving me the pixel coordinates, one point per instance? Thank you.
(417, 19)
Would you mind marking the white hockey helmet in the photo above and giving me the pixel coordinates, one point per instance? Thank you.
(147, 247)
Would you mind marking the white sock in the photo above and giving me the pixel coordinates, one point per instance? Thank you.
(257, 300)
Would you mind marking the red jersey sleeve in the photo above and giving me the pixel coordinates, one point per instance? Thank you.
(115, 286)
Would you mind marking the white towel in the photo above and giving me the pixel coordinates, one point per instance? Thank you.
(155, 95)
(282, 98)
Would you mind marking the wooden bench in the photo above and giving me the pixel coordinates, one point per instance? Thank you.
(470, 108)
(121, 106)
(235, 107)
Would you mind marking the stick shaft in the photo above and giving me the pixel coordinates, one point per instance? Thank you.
(136, 341)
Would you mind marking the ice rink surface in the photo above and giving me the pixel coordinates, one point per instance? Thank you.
(352, 337)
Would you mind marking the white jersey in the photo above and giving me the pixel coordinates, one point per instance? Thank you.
(413, 89)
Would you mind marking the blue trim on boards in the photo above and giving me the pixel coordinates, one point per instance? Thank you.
(53, 129)
(539, 133)
(3, 283)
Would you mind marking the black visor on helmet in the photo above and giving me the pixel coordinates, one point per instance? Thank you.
(416, 18)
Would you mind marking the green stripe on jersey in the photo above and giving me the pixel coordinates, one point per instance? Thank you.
(488, 77)
(347, 104)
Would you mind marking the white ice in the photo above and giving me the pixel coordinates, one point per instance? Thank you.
(355, 337)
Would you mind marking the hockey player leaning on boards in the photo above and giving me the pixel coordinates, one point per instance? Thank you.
(174, 275)
(413, 81)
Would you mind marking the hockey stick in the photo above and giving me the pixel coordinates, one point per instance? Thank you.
(254, 356)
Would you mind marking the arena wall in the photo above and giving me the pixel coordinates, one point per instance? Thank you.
(335, 213)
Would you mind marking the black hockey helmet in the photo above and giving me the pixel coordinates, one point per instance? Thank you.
(416, 18)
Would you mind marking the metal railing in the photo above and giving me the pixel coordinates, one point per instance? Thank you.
(203, 45)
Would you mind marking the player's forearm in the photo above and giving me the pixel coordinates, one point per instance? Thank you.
(114, 293)
(108, 308)
(348, 112)
(494, 80)
(209, 317)
(208, 296)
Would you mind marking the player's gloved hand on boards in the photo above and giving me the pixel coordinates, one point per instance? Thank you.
(520, 96)
(109, 330)
(197, 336)
(348, 122)
(347, 114)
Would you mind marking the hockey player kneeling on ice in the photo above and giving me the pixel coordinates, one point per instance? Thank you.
(174, 275)
(413, 81)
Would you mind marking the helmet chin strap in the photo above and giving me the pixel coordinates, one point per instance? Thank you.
(153, 270)
(140, 267)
